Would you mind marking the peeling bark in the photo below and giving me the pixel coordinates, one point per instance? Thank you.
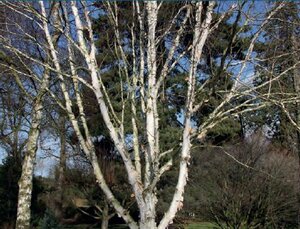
(200, 35)
(147, 165)
(25, 182)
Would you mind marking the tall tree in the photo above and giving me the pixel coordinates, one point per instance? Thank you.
(281, 55)
(142, 80)
(43, 74)
(276, 56)
(280, 51)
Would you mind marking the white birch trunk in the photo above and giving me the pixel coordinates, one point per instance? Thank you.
(25, 182)
(143, 185)
(148, 212)
(200, 35)
(87, 145)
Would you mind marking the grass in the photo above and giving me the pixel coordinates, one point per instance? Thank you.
(203, 225)
(85, 226)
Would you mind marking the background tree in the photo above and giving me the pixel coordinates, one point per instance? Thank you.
(276, 57)
(19, 33)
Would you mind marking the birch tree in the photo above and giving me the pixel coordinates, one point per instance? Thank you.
(25, 182)
(73, 63)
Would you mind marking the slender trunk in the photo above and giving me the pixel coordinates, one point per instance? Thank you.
(62, 167)
(25, 189)
(87, 146)
(151, 114)
(105, 216)
(104, 224)
(25, 182)
(199, 38)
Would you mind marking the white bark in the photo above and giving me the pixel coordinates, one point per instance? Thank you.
(25, 182)
(151, 109)
(200, 36)
(86, 145)
(95, 77)
(146, 168)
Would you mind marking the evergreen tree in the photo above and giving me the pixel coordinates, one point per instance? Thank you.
(10, 172)
(278, 52)
(227, 43)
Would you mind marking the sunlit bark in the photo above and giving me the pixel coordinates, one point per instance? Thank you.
(145, 166)
(25, 182)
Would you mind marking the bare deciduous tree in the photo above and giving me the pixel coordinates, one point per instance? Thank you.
(70, 38)
(11, 35)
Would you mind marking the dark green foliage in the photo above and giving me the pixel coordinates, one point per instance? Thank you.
(223, 44)
(82, 193)
(10, 172)
(227, 130)
(38, 206)
(278, 50)
(49, 221)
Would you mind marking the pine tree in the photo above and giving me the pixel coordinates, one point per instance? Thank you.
(279, 52)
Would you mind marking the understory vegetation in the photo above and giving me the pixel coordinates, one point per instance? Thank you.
(258, 191)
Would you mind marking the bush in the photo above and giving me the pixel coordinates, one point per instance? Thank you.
(49, 221)
(261, 194)
(10, 172)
